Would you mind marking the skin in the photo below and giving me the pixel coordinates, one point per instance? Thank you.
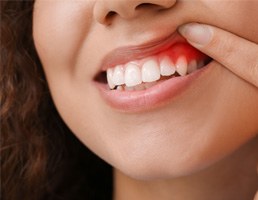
(188, 148)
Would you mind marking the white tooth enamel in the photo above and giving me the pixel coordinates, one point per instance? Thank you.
(167, 68)
(192, 66)
(132, 75)
(150, 71)
(181, 66)
(110, 78)
(118, 75)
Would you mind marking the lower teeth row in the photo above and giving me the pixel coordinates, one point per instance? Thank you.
(142, 86)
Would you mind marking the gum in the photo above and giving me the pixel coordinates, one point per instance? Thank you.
(173, 52)
(185, 50)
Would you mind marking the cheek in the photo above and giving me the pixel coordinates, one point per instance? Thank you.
(59, 28)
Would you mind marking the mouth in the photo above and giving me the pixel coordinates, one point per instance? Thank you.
(135, 79)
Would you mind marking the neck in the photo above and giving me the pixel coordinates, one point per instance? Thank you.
(233, 178)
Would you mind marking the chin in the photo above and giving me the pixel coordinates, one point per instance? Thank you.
(152, 155)
(159, 157)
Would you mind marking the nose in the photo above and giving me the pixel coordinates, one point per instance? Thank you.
(104, 10)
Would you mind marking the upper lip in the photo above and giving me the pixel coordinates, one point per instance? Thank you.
(125, 54)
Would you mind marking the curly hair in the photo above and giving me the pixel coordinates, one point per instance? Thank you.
(40, 157)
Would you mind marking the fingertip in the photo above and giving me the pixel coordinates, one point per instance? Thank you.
(199, 35)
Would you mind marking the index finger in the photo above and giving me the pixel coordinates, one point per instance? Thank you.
(237, 54)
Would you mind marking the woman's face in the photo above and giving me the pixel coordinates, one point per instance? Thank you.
(174, 127)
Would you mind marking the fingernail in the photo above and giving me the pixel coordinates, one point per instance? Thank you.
(197, 34)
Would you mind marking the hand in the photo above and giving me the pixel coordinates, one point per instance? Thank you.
(235, 53)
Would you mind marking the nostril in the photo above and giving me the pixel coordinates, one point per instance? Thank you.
(157, 5)
(147, 5)
(110, 16)
(104, 11)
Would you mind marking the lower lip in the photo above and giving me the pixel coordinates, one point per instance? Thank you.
(158, 95)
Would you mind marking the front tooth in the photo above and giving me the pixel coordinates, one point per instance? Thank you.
(150, 71)
(167, 68)
(192, 66)
(110, 78)
(132, 75)
(118, 75)
(181, 66)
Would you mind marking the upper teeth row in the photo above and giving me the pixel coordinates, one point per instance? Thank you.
(133, 73)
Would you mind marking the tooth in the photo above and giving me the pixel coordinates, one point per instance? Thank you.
(148, 85)
(181, 66)
(139, 87)
(150, 71)
(192, 66)
(110, 78)
(129, 88)
(118, 75)
(132, 75)
(167, 68)
(120, 88)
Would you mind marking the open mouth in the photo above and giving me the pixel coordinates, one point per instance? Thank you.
(178, 60)
(139, 79)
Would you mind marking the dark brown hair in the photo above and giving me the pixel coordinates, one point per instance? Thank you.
(40, 157)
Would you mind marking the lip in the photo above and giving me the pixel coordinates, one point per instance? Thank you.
(158, 95)
(161, 93)
(129, 53)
